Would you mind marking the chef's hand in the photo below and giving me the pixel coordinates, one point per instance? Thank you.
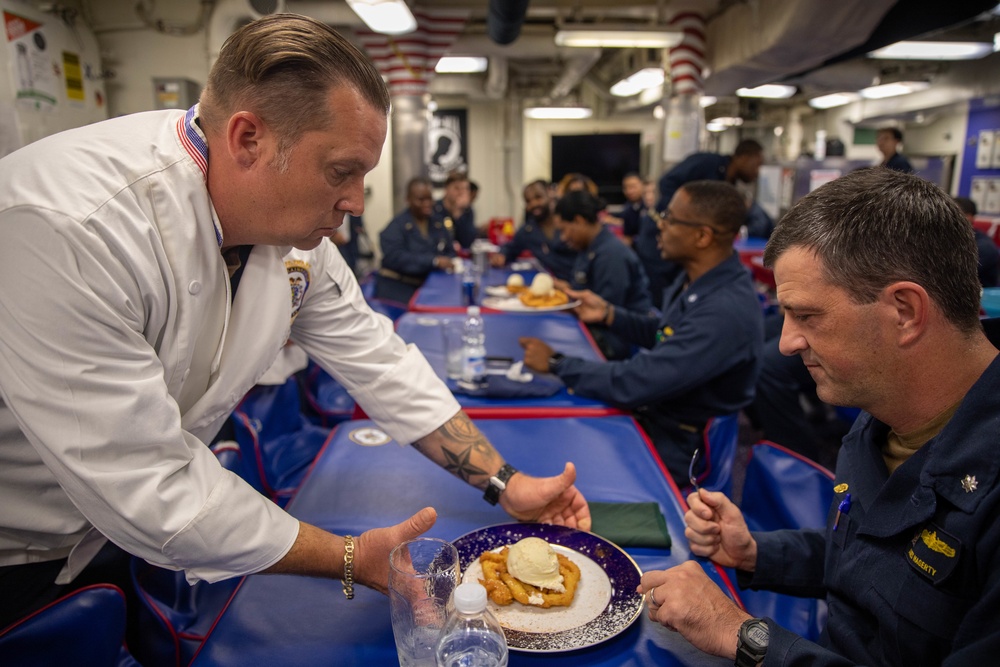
(684, 599)
(443, 262)
(371, 550)
(536, 354)
(547, 499)
(498, 259)
(592, 307)
(716, 529)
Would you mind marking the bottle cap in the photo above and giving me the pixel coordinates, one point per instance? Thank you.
(470, 598)
(472, 310)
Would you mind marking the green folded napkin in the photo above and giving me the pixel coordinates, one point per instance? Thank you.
(630, 524)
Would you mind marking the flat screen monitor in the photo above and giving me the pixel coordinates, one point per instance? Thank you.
(605, 158)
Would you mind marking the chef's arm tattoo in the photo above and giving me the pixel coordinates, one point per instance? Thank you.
(461, 449)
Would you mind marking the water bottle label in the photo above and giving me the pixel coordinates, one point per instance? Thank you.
(475, 368)
(469, 293)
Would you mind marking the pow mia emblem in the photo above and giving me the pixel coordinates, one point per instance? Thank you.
(298, 280)
(369, 437)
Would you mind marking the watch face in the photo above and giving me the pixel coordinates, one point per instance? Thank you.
(757, 634)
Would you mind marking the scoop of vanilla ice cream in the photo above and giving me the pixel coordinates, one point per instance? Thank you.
(534, 562)
(515, 280)
(542, 285)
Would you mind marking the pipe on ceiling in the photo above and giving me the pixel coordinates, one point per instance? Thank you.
(576, 68)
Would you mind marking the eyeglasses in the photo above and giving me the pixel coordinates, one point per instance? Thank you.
(671, 219)
(691, 475)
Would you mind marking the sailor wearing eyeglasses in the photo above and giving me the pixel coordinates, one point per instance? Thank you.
(702, 356)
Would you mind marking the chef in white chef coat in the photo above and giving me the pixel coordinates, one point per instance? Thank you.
(144, 288)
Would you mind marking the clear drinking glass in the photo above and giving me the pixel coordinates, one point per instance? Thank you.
(423, 572)
(454, 346)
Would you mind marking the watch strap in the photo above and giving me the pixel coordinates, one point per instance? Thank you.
(498, 483)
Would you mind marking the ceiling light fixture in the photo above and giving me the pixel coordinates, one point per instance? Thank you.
(774, 91)
(707, 101)
(833, 100)
(460, 65)
(893, 89)
(389, 17)
(649, 77)
(558, 113)
(723, 123)
(915, 50)
(617, 36)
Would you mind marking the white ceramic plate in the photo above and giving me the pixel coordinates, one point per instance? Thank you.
(605, 603)
(513, 304)
(498, 290)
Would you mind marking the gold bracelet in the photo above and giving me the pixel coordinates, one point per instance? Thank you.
(349, 567)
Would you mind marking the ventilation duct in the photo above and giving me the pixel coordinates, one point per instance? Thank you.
(504, 20)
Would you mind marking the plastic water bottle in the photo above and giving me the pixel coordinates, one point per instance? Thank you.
(469, 280)
(474, 348)
(472, 637)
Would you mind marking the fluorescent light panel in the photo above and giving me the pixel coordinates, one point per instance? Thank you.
(389, 17)
(833, 100)
(460, 65)
(558, 113)
(723, 123)
(772, 91)
(914, 50)
(617, 36)
(893, 89)
(707, 101)
(650, 77)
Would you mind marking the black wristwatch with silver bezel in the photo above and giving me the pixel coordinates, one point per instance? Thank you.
(498, 483)
(554, 361)
(751, 643)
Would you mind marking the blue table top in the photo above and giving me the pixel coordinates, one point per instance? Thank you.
(286, 620)
(442, 291)
(560, 330)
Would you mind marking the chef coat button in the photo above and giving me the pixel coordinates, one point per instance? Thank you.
(194, 287)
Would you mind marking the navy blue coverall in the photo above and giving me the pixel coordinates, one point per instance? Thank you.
(408, 256)
(701, 360)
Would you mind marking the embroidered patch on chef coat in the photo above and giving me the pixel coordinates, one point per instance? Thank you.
(580, 277)
(298, 280)
(933, 552)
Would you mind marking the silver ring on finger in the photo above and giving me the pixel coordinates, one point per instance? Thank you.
(652, 598)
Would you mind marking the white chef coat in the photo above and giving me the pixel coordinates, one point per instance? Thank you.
(121, 355)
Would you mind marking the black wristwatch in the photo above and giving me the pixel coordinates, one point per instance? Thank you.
(498, 483)
(751, 643)
(554, 360)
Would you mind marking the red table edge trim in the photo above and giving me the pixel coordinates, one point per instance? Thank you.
(684, 506)
(768, 443)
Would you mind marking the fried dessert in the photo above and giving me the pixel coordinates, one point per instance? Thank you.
(543, 294)
(531, 573)
(515, 283)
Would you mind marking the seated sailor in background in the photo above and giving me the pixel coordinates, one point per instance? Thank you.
(454, 210)
(413, 245)
(604, 265)
(702, 356)
(539, 235)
